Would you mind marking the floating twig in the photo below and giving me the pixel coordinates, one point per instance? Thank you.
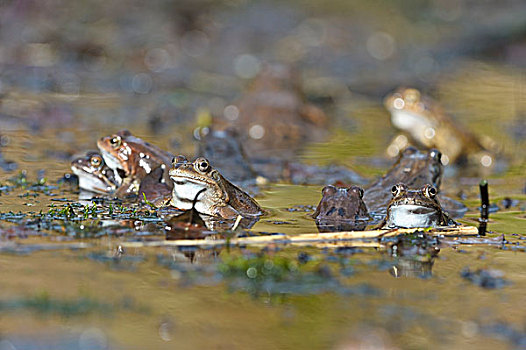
(307, 238)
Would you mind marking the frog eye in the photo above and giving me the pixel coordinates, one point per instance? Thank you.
(360, 191)
(202, 165)
(96, 161)
(429, 191)
(356, 190)
(328, 190)
(435, 154)
(410, 150)
(397, 189)
(116, 141)
(412, 95)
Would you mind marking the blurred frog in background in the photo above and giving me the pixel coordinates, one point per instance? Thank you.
(427, 125)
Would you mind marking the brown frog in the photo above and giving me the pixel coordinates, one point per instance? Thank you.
(341, 209)
(428, 125)
(274, 115)
(220, 199)
(154, 187)
(94, 175)
(223, 148)
(414, 168)
(415, 208)
(132, 159)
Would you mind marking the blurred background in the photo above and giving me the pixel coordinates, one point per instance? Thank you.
(164, 67)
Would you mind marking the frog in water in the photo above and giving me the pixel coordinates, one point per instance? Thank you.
(428, 126)
(274, 114)
(220, 199)
(132, 159)
(223, 148)
(341, 209)
(415, 208)
(94, 175)
(155, 188)
(414, 168)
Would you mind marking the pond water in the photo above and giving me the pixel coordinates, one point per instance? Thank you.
(74, 273)
(66, 285)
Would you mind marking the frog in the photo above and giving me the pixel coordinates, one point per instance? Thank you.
(154, 188)
(131, 159)
(221, 198)
(274, 115)
(428, 125)
(341, 209)
(413, 167)
(93, 174)
(223, 148)
(410, 208)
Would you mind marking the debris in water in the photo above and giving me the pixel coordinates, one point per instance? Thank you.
(485, 278)
(484, 207)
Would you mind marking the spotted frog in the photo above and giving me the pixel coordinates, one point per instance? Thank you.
(341, 209)
(220, 198)
(132, 159)
(428, 125)
(415, 208)
(94, 175)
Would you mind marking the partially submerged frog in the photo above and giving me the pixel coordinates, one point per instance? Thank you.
(132, 159)
(220, 199)
(223, 148)
(94, 175)
(426, 123)
(413, 168)
(155, 189)
(415, 208)
(341, 209)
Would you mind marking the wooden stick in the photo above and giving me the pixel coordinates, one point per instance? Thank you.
(306, 239)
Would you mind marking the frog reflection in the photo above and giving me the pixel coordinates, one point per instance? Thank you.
(413, 256)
